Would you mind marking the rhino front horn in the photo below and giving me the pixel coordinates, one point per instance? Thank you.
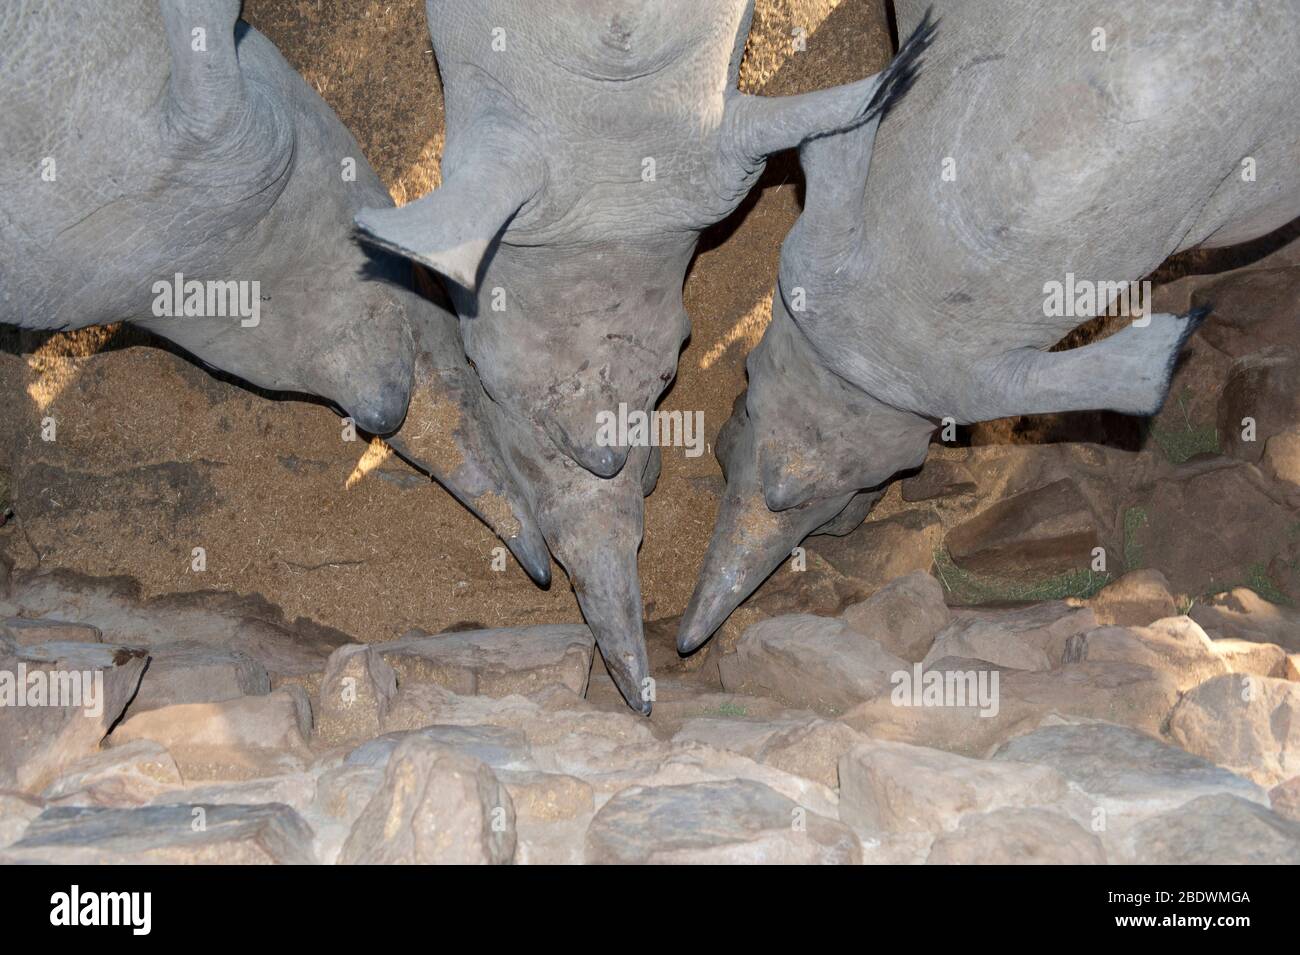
(749, 541)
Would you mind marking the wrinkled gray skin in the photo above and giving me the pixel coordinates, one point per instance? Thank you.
(565, 258)
(924, 298)
(221, 165)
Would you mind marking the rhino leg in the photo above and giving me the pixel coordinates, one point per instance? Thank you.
(1127, 372)
(765, 125)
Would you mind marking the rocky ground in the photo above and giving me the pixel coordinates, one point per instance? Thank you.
(900, 731)
(1117, 595)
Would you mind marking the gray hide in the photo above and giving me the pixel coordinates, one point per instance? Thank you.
(181, 142)
(924, 298)
(586, 151)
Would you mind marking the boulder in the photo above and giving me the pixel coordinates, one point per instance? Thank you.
(236, 739)
(355, 694)
(1176, 646)
(16, 813)
(494, 662)
(167, 835)
(725, 822)
(1027, 638)
(1245, 615)
(812, 750)
(1217, 830)
(897, 787)
(1248, 724)
(191, 672)
(132, 774)
(1134, 600)
(903, 616)
(1017, 837)
(1285, 799)
(1048, 530)
(1263, 386)
(25, 631)
(882, 549)
(938, 477)
(436, 806)
(58, 701)
(1123, 693)
(808, 661)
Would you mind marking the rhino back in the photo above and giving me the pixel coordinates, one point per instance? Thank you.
(1066, 159)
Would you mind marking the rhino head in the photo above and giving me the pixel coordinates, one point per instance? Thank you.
(209, 199)
(585, 152)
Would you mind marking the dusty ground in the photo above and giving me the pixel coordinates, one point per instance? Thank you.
(154, 457)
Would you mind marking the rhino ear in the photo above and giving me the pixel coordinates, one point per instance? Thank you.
(206, 87)
(451, 229)
(763, 125)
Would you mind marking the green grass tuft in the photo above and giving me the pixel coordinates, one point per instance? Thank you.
(1183, 444)
(977, 589)
(1134, 518)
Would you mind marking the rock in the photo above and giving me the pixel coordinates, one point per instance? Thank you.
(1124, 771)
(1282, 456)
(939, 477)
(1134, 600)
(1177, 646)
(1252, 307)
(1244, 614)
(1293, 666)
(811, 750)
(746, 737)
(192, 672)
(249, 625)
(1217, 830)
(1233, 505)
(58, 702)
(1027, 638)
(725, 822)
(166, 835)
(1017, 837)
(896, 787)
(25, 631)
(1285, 799)
(1122, 693)
(807, 661)
(1039, 533)
(16, 813)
(495, 662)
(903, 616)
(1263, 386)
(1248, 724)
(295, 790)
(885, 549)
(355, 693)
(436, 806)
(235, 739)
(502, 748)
(132, 774)
(1253, 659)
(549, 797)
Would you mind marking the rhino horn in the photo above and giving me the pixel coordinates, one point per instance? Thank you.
(749, 541)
